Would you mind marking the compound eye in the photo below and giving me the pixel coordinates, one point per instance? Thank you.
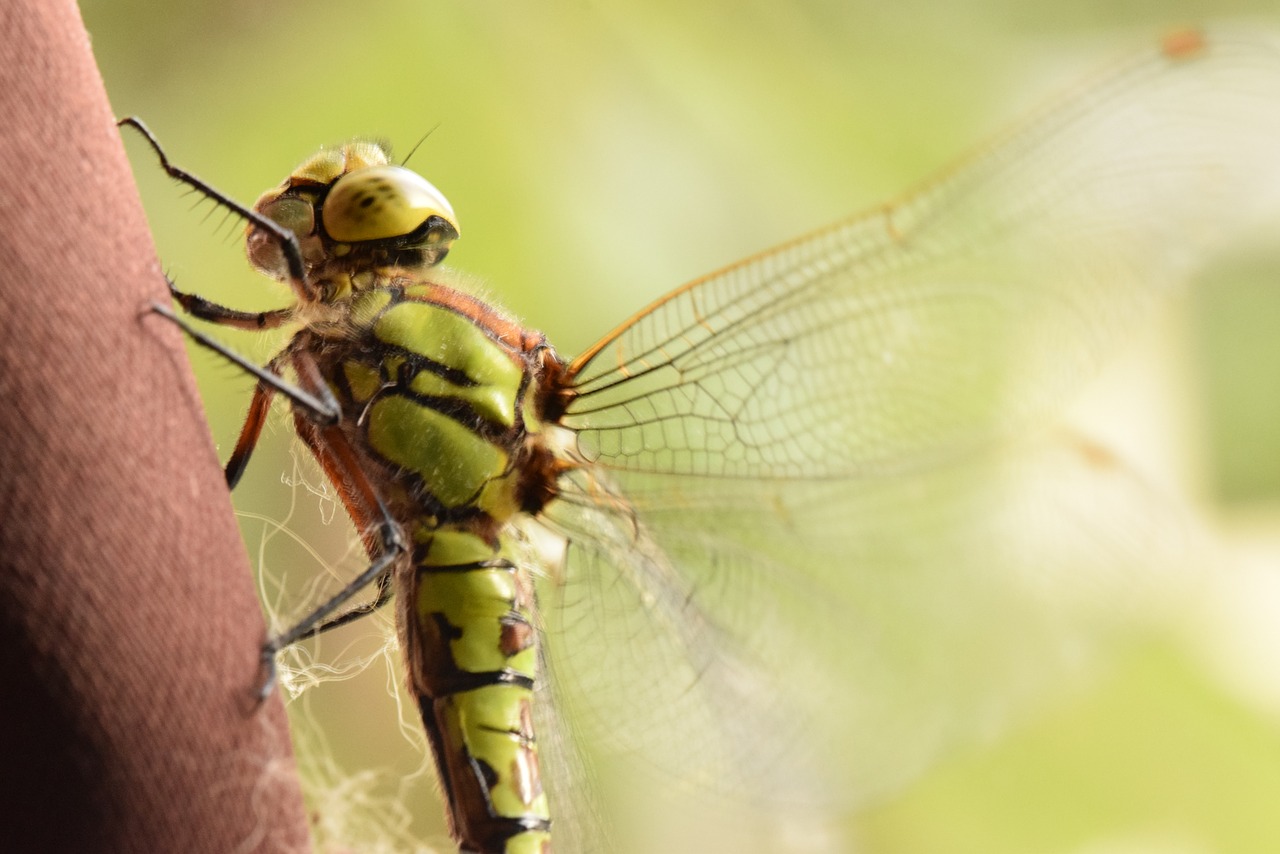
(382, 202)
(297, 215)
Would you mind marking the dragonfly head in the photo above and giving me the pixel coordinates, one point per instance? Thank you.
(353, 211)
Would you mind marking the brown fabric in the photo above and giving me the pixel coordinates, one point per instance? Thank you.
(129, 627)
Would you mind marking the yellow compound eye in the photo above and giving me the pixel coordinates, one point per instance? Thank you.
(382, 202)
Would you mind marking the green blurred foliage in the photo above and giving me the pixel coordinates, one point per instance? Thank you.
(599, 154)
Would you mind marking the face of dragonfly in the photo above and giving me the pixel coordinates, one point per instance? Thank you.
(817, 529)
(354, 214)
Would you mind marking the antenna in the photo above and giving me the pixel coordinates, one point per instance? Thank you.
(418, 144)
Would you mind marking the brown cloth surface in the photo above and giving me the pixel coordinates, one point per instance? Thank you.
(129, 627)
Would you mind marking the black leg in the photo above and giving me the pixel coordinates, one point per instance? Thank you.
(378, 572)
(199, 307)
(383, 585)
(287, 239)
(323, 409)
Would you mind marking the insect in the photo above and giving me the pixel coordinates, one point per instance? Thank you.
(747, 468)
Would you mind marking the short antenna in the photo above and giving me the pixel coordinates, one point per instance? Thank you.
(418, 144)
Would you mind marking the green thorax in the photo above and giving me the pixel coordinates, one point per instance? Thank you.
(442, 393)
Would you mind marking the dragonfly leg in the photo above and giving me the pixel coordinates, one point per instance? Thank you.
(378, 573)
(321, 406)
(285, 237)
(199, 307)
(383, 596)
(254, 420)
(384, 541)
(262, 393)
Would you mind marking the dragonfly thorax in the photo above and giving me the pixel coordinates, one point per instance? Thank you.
(358, 220)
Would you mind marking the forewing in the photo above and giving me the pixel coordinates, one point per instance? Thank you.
(962, 312)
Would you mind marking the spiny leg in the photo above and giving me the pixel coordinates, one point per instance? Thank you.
(316, 410)
(322, 407)
(264, 391)
(316, 414)
(287, 239)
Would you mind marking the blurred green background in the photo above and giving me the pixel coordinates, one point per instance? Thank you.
(598, 154)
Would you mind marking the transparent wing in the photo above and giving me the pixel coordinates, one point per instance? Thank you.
(919, 329)
(821, 641)
(578, 823)
(813, 545)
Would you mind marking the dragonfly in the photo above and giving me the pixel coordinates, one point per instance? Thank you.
(749, 480)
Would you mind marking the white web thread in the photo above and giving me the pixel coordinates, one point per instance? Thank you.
(372, 808)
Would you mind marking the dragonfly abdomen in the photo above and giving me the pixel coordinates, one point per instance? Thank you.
(467, 623)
